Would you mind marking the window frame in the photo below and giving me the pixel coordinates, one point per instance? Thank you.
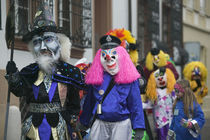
(76, 52)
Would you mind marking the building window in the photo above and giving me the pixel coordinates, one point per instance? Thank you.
(202, 6)
(24, 11)
(74, 17)
(190, 4)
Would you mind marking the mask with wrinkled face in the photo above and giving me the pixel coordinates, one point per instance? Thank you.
(47, 44)
(109, 60)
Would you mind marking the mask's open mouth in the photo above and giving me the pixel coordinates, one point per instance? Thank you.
(162, 83)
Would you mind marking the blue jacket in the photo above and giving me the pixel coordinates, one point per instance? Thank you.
(122, 102)
(181, 132)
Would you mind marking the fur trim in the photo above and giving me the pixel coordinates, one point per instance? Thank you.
(151, 85)
(65, 47)
(127, 73)
(190, 67)
(149, 60)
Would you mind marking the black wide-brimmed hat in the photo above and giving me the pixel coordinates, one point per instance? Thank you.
(43, 22)
(109, 42)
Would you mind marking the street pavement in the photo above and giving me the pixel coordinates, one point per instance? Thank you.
(205, 133)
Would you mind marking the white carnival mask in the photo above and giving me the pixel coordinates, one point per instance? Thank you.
(109, 60)
(160, 77)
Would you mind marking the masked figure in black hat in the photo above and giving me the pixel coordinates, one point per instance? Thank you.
(50, 85)
(155, 59)
(113, 98)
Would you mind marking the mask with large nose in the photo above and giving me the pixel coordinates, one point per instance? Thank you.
(47, 45)
(109, 60)
(47, 50)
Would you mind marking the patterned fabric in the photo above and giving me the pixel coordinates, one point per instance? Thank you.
(26, 127)
(61, 129)
(163, 108)
(47, 82)
(45, 108)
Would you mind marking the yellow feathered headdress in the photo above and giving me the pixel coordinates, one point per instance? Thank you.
(151, 85)
(188, 69)
(123, 35)
(150, 60)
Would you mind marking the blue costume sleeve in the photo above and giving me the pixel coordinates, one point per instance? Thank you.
(199, 115)
(88, 107)
(135, 106)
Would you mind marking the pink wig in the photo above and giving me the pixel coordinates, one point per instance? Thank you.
(127, 71)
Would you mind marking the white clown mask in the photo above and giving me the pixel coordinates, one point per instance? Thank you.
(160, 77)
(109, 60)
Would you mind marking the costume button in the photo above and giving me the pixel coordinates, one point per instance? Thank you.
(101, 92)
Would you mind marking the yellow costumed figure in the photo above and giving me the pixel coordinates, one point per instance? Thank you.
(155, 59)
(160, 93)
(196, 73)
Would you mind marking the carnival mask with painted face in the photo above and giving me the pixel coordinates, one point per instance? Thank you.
(156, 60)
(47, 50)
(196, 74)
(160, 77)
(47, 44)
(109, 60)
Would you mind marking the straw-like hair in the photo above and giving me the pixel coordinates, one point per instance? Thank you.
(134, 56)
(188, 98)
(127, 71)
(151, 85)
(150, 61)
(190, 67)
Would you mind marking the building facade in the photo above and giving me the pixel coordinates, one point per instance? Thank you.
(196, 30)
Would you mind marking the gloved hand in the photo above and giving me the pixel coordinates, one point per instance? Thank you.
(11, 67)
(186, 123)
(139, 134)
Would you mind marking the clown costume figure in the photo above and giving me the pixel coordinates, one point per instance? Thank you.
(155, 59)
(196, 73)
(159, 92)
(50, 85)
(130, 44)
(188, 117)
(121, 110)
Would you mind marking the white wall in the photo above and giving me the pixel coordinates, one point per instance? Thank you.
(120, 15)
